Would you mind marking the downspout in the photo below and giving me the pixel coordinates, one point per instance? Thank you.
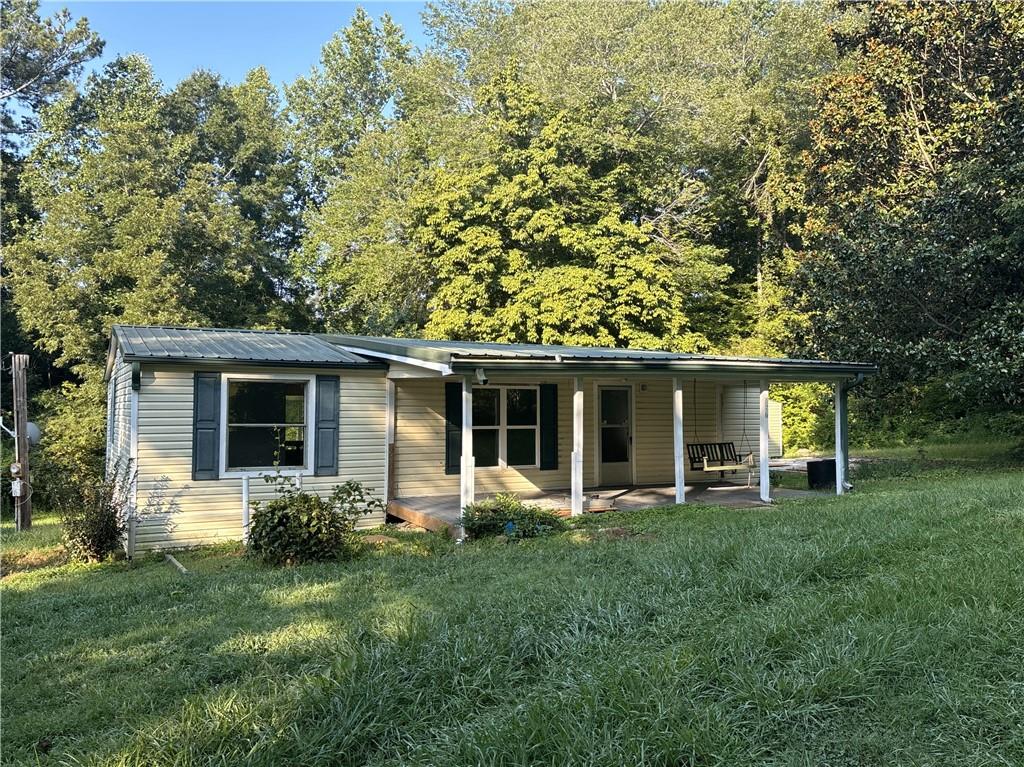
(136, 382)
(844, 391)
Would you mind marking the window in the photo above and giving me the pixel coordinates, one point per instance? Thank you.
(505, 426)
(266, 424)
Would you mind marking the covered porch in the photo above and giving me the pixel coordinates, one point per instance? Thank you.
(442, 512)
(623, 491)
(577, 428)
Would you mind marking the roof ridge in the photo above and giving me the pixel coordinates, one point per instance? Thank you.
(218, 330)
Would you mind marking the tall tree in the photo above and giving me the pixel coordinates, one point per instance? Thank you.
(719, 90)
(533, 241)
(39, 58)
(39, 61)
(347, 95)
(915, 186)
(138, 224)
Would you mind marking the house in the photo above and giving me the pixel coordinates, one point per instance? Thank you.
(203, 415)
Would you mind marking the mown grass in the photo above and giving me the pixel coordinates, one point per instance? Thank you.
(39, 546)
(885, 627)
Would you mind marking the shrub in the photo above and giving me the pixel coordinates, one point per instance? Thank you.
(507, 515)
(299, 527)
(93, 514)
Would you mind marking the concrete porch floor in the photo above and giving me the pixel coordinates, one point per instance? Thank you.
(441, 512)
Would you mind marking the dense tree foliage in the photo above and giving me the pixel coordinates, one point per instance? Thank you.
(157, 210)
(753, 176)
(916, 185)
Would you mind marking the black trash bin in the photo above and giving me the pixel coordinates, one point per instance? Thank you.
(821, 474)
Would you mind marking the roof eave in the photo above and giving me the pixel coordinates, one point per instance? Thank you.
(225, 361)
(781, 370)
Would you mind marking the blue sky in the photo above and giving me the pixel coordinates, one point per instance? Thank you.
(228, 37)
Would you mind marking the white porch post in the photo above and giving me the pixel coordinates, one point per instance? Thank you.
(840, 407)
(677, 438)
(467, 488)
(577, 447)
(764, 483)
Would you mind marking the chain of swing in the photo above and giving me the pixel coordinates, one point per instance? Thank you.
(743, 430)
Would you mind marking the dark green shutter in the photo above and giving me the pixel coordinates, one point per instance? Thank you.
(549, 426)
(452, 428)
(325, 450)
(205, 426)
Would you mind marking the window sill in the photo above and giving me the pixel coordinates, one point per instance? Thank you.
(259, 473)
(506, 468)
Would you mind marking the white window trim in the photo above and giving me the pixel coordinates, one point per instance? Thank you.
(305, 471)
(503, 428)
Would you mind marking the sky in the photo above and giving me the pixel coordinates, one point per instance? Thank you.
(229, 37)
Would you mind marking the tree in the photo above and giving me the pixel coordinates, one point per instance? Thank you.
(39, 59)
(719, 91)
(347, 95)
(139, 224)
(915, 191)
(534, 241)
(366, 274)
(239, 133)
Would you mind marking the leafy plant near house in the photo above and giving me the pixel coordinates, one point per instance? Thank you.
(505, 514)
(93, 513)
(299, 526)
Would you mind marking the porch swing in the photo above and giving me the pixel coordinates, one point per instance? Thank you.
(721, 457)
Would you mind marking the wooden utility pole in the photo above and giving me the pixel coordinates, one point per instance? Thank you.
(22, 502)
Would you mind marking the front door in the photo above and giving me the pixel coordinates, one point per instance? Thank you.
(616, 438)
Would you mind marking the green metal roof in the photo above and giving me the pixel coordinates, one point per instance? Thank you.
(461, 356)
(268, 347)
(265, 347)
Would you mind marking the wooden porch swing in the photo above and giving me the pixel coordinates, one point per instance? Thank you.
(721, 457)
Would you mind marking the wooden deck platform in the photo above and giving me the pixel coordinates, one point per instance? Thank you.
(441, 512)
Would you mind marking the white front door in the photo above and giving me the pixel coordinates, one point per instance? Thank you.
(616, 435)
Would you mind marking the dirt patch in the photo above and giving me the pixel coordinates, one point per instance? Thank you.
(32, 559)
(379, 540)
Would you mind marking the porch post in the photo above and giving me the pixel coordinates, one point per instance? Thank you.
(467, 490)
(677, 438)
(841, 400)
(577, 447)
(764, 483)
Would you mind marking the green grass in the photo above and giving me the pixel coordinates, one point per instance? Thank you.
(884, 627)
(36, 547)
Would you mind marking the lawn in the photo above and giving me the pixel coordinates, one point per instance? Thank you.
(884, 627)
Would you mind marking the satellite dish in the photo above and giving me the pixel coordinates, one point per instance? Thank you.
(33, 434)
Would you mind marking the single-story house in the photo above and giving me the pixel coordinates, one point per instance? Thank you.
(202, 416)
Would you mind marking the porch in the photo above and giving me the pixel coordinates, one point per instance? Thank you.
(441, 512)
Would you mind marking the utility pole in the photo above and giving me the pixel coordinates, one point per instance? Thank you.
(22, 501)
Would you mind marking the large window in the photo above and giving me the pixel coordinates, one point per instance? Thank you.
(266, 424)
(505, 426)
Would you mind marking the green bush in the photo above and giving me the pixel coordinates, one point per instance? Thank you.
(93, 513)
(299, 527)
(507, 515)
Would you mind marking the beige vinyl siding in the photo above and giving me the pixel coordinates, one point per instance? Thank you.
(420, 436)
(119, 445)
(653, 439)
(741, 422)
(420, 446)
(176, 511)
